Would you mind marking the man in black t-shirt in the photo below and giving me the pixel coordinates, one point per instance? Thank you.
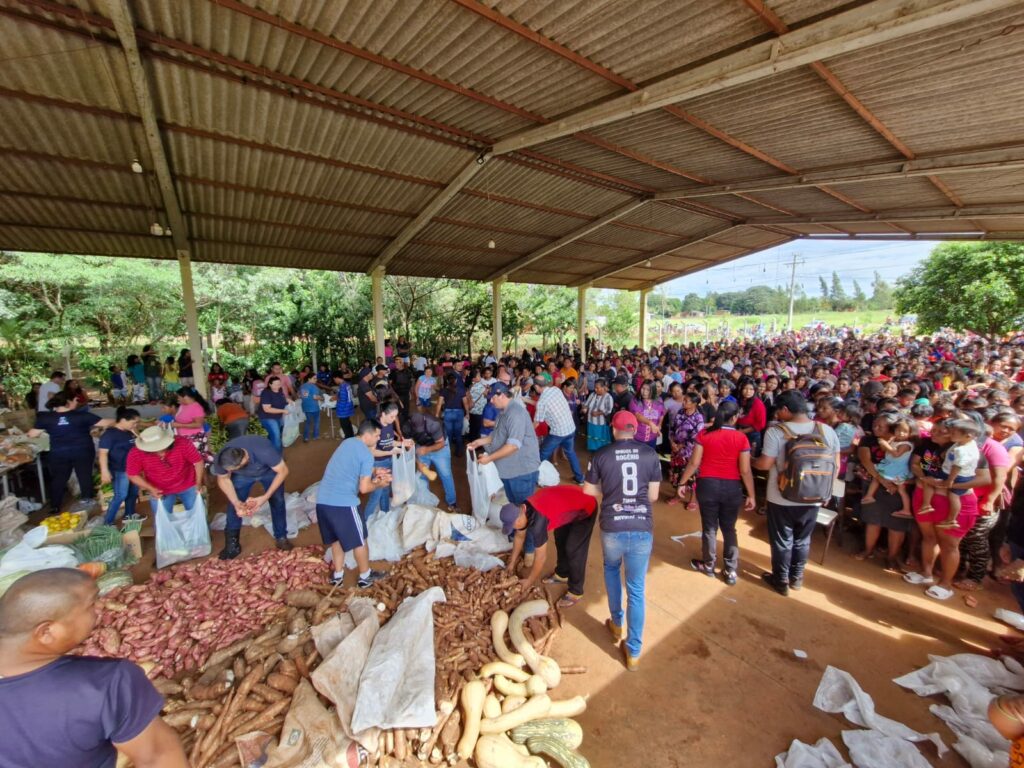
(401, 382)
(368, 399)
(625, 477)
(621, 396)
(427, 432)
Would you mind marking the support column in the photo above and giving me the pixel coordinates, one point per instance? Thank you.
(496, 335)
(195, 341)
(581, 320)
(377, 298)
(643, 317)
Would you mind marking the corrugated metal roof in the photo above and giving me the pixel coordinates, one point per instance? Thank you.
(311, 134)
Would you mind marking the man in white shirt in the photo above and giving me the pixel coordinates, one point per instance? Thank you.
(49, 389)
(420, 364)
(553, 409)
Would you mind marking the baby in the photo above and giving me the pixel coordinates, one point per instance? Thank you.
(959, 466)
(895, 467)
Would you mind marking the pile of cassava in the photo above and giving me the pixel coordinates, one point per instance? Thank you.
(493, 702)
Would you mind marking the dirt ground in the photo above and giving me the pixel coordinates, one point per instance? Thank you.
(718, 683)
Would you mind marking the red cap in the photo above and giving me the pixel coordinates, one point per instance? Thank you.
(624, 421)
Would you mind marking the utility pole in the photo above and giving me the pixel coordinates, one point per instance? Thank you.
(792, 288)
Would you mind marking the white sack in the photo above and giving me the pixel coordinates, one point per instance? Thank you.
(821, 755)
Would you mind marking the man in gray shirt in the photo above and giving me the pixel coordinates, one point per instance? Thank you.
(790, 524)
(512, 446)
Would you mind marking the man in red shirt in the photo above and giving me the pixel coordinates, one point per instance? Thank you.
(167, 467)
(569, 512)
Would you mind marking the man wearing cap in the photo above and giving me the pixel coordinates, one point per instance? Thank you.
(512, 446)
(238, 466)
(625, 477)
(167, 467)
(569, 512)
(622, 398)
(553, 410)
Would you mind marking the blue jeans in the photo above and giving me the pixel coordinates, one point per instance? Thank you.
(242, 487)
(517, 491)
(186, 497)
(153, 385)
(453, 420)
(273, 427)
(789, 534)
(441, 461)
(124, 491)
(378, 496)
(311, 424)
(568, 445)
(633, 548)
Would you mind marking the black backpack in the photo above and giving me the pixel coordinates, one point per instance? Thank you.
(809, 469)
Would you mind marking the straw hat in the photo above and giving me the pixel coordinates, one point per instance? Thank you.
(154, 439)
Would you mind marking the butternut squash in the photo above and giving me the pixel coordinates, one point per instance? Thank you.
(499, 623)
(473, 695)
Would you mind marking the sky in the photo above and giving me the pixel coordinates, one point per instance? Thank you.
(852, 260)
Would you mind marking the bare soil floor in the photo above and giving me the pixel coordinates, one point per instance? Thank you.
(718, 683)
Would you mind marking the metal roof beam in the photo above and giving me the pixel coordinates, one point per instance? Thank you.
(870, 24)
(623, 266)
(971, 161)
(440, 200)
(124, 25)
(691, 270)
(576, 234)
(1003, 211)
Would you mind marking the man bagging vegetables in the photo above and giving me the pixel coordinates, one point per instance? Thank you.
(79, 711)
(349, 473)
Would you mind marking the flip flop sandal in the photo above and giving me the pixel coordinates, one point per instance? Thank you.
(916, 578)
(554, 578)
(569, 600)
(967, 585)
(938, 593)
(970, 601)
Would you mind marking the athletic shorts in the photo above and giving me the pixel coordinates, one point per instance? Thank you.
(341, 524)
(423, 401)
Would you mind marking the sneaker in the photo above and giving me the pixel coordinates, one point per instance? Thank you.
(337, 581)
(730, 578)
(699, 567)
(796, 584)
(768, 579)
(614, 629)
(631, 662)
(283, 544)
(372, 579)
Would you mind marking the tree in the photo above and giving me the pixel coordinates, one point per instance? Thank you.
(824, 289)
(693, 303)
(967, 286)
(881, 294)
(859, 297)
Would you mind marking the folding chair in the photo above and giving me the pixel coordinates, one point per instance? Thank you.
(827, 518)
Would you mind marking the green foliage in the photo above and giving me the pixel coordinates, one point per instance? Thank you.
(881, 294)
(972, 286)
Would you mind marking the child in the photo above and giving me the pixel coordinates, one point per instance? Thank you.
(310, 394)
(118, 384)
(1007, 715)
(959, 466)
(847, 430)
(921, 411)
(895, 467)
(172, 382)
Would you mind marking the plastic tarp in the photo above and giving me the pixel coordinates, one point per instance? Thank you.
(396, 689)
(970, 682)
(29, 554)
(403, 477)
(839, 693)
(821, 755)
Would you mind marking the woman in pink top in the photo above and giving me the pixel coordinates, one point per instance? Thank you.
(190, 421)
(649, 412)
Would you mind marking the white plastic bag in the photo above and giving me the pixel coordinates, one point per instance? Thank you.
(290, 423)
(874, 749)
(483, 484)
(396, 688)
(181, 535)
(423, 495)
(417, 523)
(383, 536)
(548, 475)
(821, 755)
(403, 477)
(29, 554)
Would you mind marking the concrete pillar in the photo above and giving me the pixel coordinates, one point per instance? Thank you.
(496, 336)
(377, 298)
(581, 320)
(195, 342)
(643, 317)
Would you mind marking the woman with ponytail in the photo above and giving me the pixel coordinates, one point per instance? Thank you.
(190, 421)
(114, 446)
(722, 456)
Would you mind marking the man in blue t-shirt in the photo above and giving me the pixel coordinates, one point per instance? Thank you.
(349, 473)
(238, 466)
(309, 393)
(80, 711)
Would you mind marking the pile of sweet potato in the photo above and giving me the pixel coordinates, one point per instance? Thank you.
(186, 613)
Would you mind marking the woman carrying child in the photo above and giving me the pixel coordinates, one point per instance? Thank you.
(894, 465)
